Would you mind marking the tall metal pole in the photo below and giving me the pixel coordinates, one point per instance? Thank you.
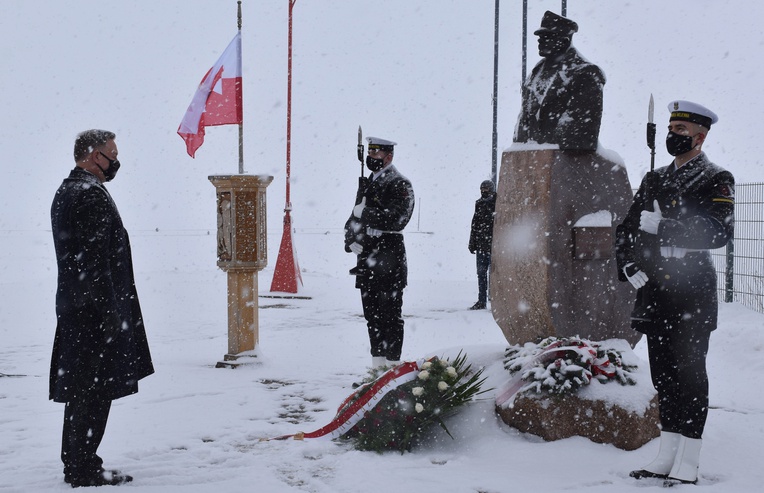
(495, 144)
(288, 205)
(525, 39)
(564, 8)
(241, 125)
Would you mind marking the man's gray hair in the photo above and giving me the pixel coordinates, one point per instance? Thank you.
(89, 140)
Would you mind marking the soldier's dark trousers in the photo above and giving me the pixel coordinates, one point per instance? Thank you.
(678, 369)
(84, 426)
(382, 310)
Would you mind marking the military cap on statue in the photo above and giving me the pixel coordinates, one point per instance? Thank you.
(692, 112)
(381, 144)
(553, 23)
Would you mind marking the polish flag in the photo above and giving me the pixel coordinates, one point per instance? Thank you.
(217, 100)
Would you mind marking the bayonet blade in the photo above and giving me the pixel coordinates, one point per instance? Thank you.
(360, 135)
(651, 110)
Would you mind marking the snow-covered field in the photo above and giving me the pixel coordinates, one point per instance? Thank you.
(194, 428)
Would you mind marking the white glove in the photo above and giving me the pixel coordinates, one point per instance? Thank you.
(649, 221)
(637, 278)
(358, 210)
(356, 248)
(673, 252)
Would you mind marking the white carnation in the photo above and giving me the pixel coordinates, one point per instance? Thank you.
(424, 375)
(419, 408)
(442, 386)
(417, 391)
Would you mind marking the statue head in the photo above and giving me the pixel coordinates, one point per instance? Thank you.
(555, 34)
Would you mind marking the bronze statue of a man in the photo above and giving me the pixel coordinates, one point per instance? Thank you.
(562, 98)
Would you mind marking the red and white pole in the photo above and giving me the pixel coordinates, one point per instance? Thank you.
(287, 271)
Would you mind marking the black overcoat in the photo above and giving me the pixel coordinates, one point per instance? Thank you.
(562, 103)
(481, 231)
(697, 204)
(389, 206)
(95, 283)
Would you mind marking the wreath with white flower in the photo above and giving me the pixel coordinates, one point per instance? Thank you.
(407, 411)
(560, 366)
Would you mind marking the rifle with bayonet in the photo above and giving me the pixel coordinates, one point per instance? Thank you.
(355, 232)
(651, 178)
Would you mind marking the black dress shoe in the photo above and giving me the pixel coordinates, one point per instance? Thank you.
(478, 306)
(105, 478)
(669, 482)
(642, 473)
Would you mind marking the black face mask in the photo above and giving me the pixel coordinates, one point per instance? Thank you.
(111, 171)
(374, 164)
(677, 145)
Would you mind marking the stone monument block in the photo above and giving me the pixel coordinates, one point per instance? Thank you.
(553, 270)
(557, 417)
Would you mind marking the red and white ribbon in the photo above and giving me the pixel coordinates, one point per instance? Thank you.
(348, 416)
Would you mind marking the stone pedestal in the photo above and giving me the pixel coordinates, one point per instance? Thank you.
(242, 252)
(553, 270)
(557, 417)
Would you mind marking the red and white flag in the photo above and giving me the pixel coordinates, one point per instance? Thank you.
(217, 100)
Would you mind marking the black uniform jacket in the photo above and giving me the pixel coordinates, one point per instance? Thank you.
(95, 285)
(697, 202)
(389, 206)
(571, 109)
(481, 232)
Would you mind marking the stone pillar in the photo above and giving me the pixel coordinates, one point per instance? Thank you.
(242, 252)
(553, 270)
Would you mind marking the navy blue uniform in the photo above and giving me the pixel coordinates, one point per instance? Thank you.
(677, 308)
(383, 269)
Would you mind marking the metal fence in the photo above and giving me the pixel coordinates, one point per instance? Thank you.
(740, 266)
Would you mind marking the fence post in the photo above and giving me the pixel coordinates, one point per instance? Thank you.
(729, 272)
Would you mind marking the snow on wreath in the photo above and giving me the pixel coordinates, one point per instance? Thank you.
(560, 366)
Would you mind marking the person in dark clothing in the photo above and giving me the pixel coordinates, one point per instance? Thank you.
(679, 213)
(374, 233)
(481, 236)
(562, 98)
(100, 349)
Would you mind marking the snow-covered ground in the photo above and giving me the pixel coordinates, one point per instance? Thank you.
(195, 428)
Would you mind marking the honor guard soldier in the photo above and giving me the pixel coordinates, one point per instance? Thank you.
(374, 232)
(680, 212)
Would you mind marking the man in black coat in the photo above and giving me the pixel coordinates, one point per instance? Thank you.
(481, 236)
(100, 349)
(679, 213)
(562, 98)
(374, 232)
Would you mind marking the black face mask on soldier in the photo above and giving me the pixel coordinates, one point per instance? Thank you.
(374, 164)
(677, 145)
(111, 171)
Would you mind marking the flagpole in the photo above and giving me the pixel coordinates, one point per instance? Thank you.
(287, 271)
(288, 205)
(495, 136)
(241, 125)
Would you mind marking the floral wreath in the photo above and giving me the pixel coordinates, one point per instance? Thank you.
(561, 366)
(411, 408)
